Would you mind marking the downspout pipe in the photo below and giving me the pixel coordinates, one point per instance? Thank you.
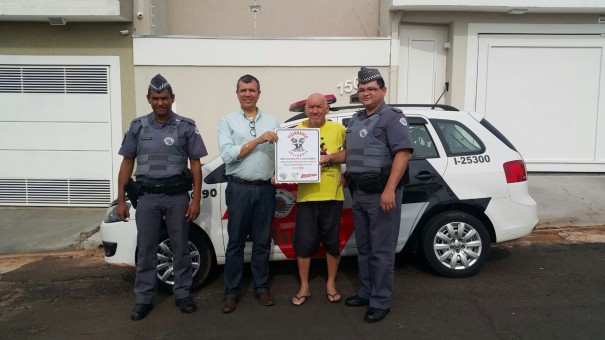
(394, 60)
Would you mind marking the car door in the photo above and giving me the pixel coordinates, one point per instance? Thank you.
(424, 176)
(422, 179)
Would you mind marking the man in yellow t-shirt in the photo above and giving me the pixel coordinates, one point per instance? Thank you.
(320, 204)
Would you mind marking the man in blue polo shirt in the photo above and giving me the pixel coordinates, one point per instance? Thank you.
(246, 139)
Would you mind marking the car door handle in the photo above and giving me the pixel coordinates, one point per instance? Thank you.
(425, 175)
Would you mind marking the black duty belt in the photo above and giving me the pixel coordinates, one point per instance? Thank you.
(243, 181)
(169, 189)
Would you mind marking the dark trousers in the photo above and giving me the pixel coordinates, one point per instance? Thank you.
(250, 209)
(376, 234)
(152, 209)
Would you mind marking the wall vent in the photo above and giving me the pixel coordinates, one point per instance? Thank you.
(53, 79)
(55, 192)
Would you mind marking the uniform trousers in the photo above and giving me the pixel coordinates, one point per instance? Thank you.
(251, 209)
(152, 210)
(376, 234)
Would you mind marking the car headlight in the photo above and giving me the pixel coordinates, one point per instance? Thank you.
(110, 214)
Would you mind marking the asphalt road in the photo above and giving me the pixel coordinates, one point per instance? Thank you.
(535, 291)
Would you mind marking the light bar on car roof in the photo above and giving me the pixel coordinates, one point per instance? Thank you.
(300, 105)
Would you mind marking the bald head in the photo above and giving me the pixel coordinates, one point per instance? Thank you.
(316, 109)
(317, 97)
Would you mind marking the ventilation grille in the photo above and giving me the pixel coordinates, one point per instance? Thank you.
(53, 79)
(55, 192)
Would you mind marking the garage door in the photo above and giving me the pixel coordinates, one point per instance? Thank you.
(55, 135)
(546, 93)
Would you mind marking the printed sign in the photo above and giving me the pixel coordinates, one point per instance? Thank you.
(297, 156)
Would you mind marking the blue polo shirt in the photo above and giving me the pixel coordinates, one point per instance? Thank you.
(234, 132)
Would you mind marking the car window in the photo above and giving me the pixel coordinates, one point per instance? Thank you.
(424, 146)
(457, 138)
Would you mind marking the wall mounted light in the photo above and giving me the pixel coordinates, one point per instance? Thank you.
(57, 21)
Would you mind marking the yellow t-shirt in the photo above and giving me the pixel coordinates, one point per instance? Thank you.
(332, 139)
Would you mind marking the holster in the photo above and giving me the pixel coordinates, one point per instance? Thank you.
(370, 183)
(133, 190)
(187, 175)
(405, 179)
(351, 184)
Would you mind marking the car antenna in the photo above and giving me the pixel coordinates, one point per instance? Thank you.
(445, 89)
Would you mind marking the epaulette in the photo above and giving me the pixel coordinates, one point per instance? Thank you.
(188, 120)
(396, 109)
(138, 120)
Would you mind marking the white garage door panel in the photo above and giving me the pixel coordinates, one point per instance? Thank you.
(56, 164)
(553, 92)
(544, 93)
(56, 129)
(53, 107)
(66, 136)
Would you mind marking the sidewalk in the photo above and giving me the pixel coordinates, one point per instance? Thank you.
(39, 229)
(569, 199)
(564, 201)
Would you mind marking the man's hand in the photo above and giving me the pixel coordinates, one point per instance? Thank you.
(123, 211)
(126, 168)
(325, 160)
(268, 136)
(193, 211)
(387, 200)
(343, 181)
(400, 162)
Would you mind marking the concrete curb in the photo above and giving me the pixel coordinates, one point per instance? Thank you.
(91, 239)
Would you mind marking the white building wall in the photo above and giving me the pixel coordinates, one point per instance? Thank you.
(203, 73)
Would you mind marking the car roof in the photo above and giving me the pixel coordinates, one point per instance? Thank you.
(439, 111)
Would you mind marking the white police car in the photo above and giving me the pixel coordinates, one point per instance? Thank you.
(466, 189)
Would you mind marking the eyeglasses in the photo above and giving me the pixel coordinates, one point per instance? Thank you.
(252, 128)
(368, 90)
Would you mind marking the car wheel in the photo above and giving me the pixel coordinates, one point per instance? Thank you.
(455, 244)
(200, 251)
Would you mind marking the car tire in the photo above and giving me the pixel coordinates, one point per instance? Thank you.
(201, 253)
(455, 244)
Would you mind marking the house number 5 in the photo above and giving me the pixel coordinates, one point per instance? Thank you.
(347, 86)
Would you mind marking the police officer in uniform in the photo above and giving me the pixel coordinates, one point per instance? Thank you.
(161, 143)
(378, 147)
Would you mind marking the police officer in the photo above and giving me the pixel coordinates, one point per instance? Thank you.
(162, 142)
(378, 147)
